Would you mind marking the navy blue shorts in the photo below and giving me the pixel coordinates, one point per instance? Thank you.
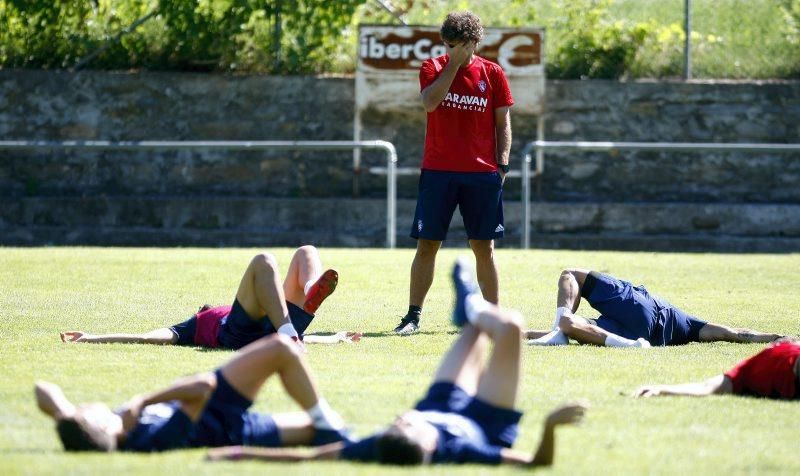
(185, 331)
(479, 196)
(238, 329)
(500, 425)
(226, 421)
(632, 312)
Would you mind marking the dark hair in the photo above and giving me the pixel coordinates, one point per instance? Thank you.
(77, 435)
(462, 27)
(395, 447)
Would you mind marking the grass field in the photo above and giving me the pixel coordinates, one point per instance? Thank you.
(44, 290)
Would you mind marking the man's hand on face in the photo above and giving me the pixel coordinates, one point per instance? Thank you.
(459, 53)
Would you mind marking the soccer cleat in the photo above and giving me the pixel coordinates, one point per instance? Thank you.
(642, 342)
(408, 325)
(464, 282)
(320, 290)
(327, 436)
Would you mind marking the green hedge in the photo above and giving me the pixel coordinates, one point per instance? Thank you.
(585, 38)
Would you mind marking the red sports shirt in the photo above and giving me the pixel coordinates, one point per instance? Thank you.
(208, 323)
(460, 136)
(770, 373)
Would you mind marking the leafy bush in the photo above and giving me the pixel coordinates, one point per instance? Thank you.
(592, 46)
(185, 35)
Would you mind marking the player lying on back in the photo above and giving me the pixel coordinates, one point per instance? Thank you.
(261, 307)
(773, 373)
(203, 410)
(630, 317)
(468, 413)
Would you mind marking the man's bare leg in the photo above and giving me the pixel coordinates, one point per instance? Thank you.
(585, 332)
(422, 271)
(486, 269)
(261, 293)
(304, 269)
(717, 332)
(277, 354)
(421, 279)
(496, 384)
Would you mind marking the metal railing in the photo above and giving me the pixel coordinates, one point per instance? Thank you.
(630, 146)
(388, 147)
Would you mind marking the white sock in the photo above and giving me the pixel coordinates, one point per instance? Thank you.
(308, 286)
(288, 330)
(614, 340)
(554, 337)
(474, 304)
(560, 312)
(324, 417)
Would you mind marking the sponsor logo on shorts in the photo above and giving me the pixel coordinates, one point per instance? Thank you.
(499, 229)
(419, 225)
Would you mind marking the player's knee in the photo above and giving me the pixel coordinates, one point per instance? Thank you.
(206, 383)
(428, 247)
(264, 261)
(286, 347)
(307, 250)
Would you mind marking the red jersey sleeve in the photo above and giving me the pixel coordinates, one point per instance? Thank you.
(427, 74)
(501, 93)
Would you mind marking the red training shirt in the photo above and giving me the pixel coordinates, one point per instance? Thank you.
(770, 373)
(460, 135)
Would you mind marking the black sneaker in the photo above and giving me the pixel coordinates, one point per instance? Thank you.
(408, 325)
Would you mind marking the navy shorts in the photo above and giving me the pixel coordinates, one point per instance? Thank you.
(632, 312)
(500, 425)
(238, 329)
(478, 195)
(226, 421)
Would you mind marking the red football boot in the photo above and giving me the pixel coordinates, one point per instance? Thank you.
(320, 290)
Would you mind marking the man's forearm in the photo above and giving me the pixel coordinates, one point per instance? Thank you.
(503, 133)
(436, 91)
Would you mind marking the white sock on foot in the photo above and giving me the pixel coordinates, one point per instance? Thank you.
(474, 304)
(554, 337)
(560, 312)
(288, 330)
(614, 340)
(324, 417)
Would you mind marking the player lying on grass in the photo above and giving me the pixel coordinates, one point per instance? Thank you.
(630, 317)
(207, 409)
(773, 373)
(468, 413)
(261, 306)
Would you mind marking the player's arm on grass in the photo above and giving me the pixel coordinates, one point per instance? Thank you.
(565, 415)
(161, 336)
(235, 453)
(192, 392)
(347, 337)
(717, 385)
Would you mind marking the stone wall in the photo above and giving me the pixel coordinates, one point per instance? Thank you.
(179, 106)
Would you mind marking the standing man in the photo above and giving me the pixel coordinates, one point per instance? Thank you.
(467, 144)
